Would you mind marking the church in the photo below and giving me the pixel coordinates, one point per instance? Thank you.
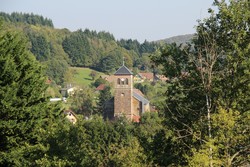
(128, 102)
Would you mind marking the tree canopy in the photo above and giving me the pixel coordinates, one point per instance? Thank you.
(25, 114)
(208, 78)
(27, 18)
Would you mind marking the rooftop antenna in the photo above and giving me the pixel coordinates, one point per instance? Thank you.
(123, 61)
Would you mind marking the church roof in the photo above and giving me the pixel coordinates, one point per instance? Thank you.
(123, 70)
(138, 92)
(140, 97)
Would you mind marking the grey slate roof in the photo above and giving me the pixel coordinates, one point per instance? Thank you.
(123, 70)
(140, 98)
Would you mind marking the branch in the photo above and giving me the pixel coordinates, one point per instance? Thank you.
(237, 153)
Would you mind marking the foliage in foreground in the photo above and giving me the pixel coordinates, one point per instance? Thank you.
(207, 98)
(96, 142)
(25, 114)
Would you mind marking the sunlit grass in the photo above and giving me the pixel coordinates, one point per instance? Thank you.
(81, 76)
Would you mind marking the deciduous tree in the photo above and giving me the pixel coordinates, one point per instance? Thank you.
(212, 72)
(84, 101)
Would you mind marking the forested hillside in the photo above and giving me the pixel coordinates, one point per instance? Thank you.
(26, 18)
(178, 39)
(202, 112)
(58, 49)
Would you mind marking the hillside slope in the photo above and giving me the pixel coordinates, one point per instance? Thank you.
(177, 39)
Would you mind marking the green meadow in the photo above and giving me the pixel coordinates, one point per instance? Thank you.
(81, 76)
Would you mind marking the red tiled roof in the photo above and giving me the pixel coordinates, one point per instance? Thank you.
(147, 75)
(100, 87)
(136, 118)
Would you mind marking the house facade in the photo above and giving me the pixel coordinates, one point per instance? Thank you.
(70, 115)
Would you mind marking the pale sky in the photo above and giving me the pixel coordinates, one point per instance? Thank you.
(129, 19)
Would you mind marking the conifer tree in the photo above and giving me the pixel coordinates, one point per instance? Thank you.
(25, 113)
(104, 97)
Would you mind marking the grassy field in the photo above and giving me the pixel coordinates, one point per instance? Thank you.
(81, 76)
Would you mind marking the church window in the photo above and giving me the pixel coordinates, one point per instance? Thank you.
(123, 81)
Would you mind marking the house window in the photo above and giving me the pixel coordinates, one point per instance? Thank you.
(118, 81)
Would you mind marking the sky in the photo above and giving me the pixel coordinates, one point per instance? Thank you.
(128, 19)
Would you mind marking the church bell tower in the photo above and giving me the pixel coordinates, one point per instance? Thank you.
(123, 95)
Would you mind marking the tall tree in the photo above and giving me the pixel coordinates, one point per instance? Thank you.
(229, 30)
(206, 60)
(184, 107)
(25, 114)
(232, 24)
(104, 98)
(214, 72)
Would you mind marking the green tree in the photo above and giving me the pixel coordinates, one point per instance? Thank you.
(78, 48)
(25, 113)
(230, 142)
(213, 72)
(145, 62)
(94, 142)
(40, 47)
(234, 40)
(93, 75)
(66, 144)
(99, 81)
(83, 101)
(111, 62)
(27, 18)
(56, 69)
(103, 99)
(46, 46)
(232, 69)
(146, 132)
(68, 75)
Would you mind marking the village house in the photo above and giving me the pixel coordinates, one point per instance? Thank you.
(149, 76)
(109, 78)
(68, 90)
(138, 78)
(162, 78)
(71, 116)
